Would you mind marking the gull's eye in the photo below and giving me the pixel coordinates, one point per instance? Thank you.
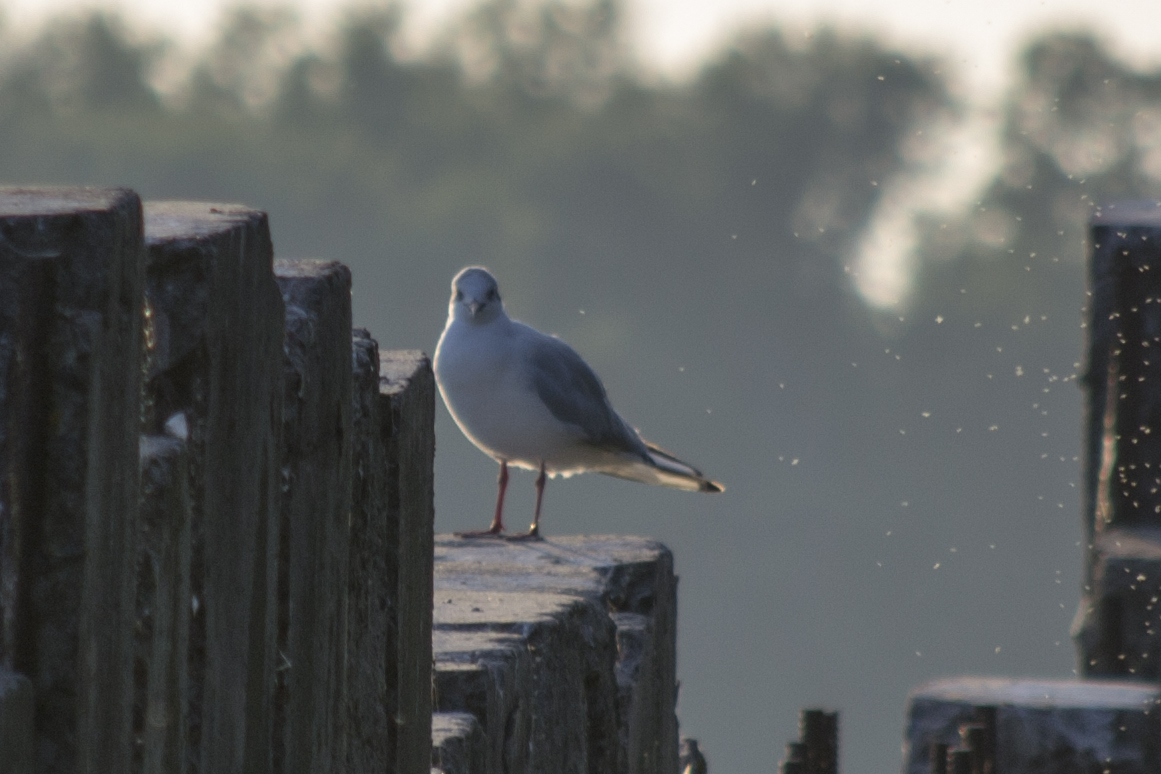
(493, 295)
(459, 295)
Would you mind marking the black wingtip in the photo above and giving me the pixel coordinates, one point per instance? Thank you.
(712, 487)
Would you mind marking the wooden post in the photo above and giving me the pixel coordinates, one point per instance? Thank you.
(372, 611)
(215, 379)
(816, 750)
(979, 736)
(543, 641)
(17, 709)
(1123, 373)
(406, 415)
(314, 552)
(392, 519)
(1112, 722)
(161, 703)
(795, 761)
(820, 735)
(938, 758)
(959, 762)
(1122, 468)
(71, 298)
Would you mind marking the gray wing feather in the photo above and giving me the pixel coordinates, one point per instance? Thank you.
(575, 396)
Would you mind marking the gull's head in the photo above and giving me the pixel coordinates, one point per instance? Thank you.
(475, 296)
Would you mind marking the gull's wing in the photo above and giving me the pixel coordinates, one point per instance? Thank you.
(575, 395)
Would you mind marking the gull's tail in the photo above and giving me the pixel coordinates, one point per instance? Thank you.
(663, 469)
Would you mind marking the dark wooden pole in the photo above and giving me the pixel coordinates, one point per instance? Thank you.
(1122, 466)
(938, 758)
(959, 762)
(820, 734)
(70, 343)
(1123, 373)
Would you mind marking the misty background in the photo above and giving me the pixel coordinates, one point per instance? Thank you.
(761, 262)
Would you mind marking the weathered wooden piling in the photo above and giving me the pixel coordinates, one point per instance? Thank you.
(937, 758)
(406, 421)
(1117, 618)
(310, 710)
(819, 731)
(526, 641)
(458, 744)
(70, 348)
(17, 734)
(816, 749)
(25, 305)
(392, 515)
(372, 578)
(1046, 726)
(959, 762)
(1122, 373)
(215, 379)
(160, 707)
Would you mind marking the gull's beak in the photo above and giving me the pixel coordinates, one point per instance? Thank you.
(474, 306)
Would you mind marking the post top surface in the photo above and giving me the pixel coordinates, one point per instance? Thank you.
(503, 607)
(581, 551)
(1128, 213)
(398, 367)
(540, 572)
(307, 267)
(1046, 694)
(171, 220)
(58, 200)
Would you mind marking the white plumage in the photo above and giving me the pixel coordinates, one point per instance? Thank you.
(528, 399)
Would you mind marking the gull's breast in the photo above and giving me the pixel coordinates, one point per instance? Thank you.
(488, 391)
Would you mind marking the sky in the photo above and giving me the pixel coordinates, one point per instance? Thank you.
(980, 36)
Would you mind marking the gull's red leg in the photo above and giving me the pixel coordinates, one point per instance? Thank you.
(502, 486)
(540, 480)
(533, 532)
(497, 520)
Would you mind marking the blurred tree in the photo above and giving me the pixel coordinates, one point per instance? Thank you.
(571, 50)
(1079, 129)
(243, 70)
(80, 66)
(526, 132)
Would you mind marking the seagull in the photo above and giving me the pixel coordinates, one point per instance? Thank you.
(529, 400)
